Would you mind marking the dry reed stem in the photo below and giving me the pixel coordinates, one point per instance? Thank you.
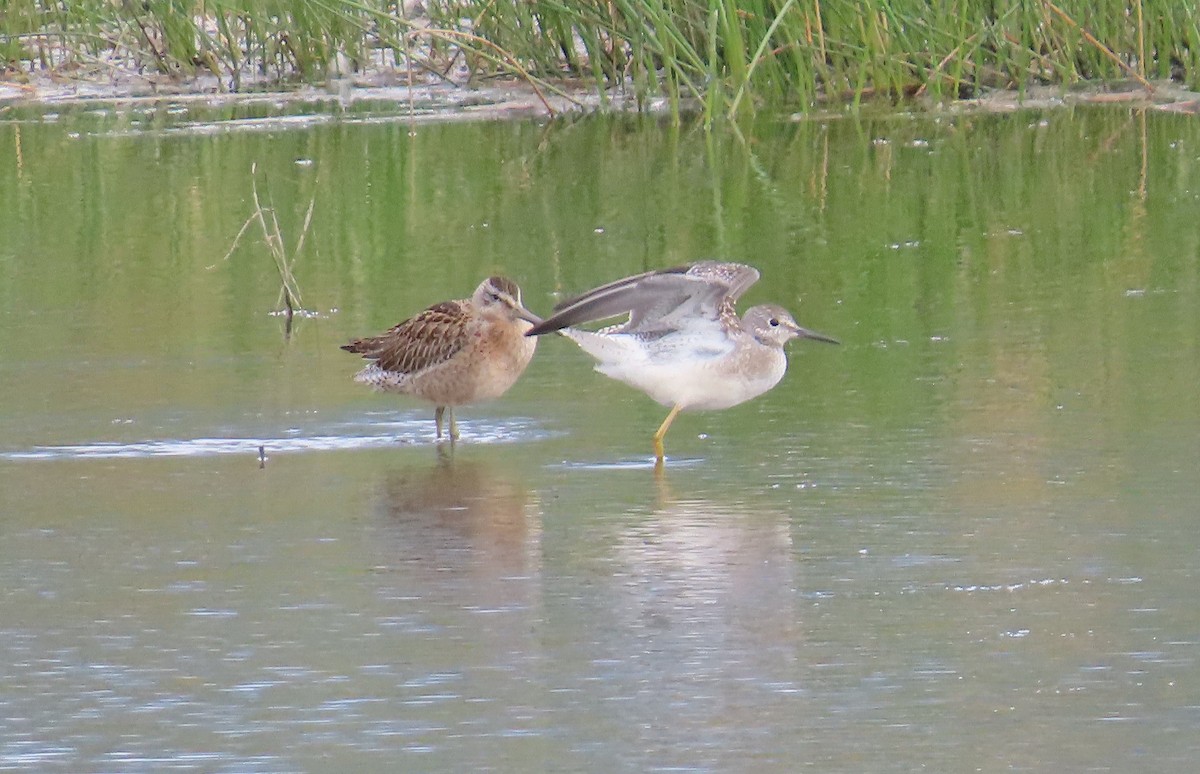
(1103, 48)
(289, 291)
(508, 59)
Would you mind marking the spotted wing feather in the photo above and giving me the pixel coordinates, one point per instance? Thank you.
(736, 278)
(428, 338)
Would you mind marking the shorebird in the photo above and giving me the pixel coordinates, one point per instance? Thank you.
(454, 352)
(683, 344)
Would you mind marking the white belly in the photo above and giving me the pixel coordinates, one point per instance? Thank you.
(673, 372)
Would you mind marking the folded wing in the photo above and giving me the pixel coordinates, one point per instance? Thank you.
(431, 337)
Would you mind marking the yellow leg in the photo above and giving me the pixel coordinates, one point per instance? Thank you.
(437, 420)
(662, 431)
(453, 426)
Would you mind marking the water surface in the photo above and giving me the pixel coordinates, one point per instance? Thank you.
(965, 539)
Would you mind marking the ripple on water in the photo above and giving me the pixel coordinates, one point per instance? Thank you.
(630, 463)
(346, 436)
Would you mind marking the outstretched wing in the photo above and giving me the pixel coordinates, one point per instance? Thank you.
(658, 301)
(424, 340)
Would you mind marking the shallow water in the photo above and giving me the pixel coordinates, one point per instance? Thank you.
(965, 539)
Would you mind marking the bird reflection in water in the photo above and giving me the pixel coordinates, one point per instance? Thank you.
(462, 516)
(701, 568)
(457, 554)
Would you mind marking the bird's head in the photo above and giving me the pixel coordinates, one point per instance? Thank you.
(500, 295)
(773, 325)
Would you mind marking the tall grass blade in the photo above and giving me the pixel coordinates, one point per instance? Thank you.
(724, 57)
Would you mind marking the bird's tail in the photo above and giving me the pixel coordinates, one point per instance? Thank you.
(606, 349)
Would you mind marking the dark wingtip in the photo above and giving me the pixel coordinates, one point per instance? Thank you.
(545, 326)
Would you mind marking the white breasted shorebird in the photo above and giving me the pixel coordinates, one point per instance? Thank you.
(683, 344)
(455, 352)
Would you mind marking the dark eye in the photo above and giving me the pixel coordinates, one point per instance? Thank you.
(774, 323)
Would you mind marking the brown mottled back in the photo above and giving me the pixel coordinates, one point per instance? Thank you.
(424, 340)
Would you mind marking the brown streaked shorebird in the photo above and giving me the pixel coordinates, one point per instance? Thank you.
(455, 352)
(683, 344)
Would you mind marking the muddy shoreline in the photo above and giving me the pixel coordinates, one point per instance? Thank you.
(510, 98)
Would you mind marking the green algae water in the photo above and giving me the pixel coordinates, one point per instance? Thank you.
(965, 539)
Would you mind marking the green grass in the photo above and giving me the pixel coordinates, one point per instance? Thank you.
(729, 57)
